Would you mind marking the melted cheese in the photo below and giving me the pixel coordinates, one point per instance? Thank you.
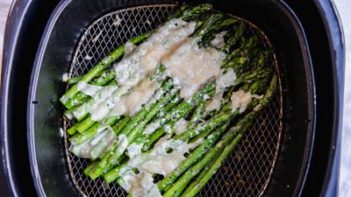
(161, 162)
(112, 100)
(225, 81)
(214, 103)
(240, 100)
(106, 101)
(134, 149)
(218, 41)
(191, 66)
(122, 143)
(157, 161)
(148, 55)
(140, 95)
(128, 49)
(151, 128)
(222, 83)
(95, 146)
(138, 185)
(180, 126)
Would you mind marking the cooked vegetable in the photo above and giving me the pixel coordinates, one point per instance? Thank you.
(175, 105)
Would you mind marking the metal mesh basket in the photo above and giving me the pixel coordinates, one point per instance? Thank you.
(246, 172)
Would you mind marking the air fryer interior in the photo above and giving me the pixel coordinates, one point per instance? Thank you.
(66, 48)
(259, 148)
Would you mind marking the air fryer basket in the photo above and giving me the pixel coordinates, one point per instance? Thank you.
(248, 170)
(279, 139)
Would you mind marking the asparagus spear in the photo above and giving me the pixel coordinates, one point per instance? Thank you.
(209, 126)
(73, 80)
(118, 128)
(187, 13)
(80, 138)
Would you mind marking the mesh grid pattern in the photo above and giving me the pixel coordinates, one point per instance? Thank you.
(245, 173)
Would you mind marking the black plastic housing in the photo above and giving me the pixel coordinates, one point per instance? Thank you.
(310, 104)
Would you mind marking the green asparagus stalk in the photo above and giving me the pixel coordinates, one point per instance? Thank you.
(72, 130)
(187, 13)
(209, 126)
(88, 122)
(73, 80)
(81, 137)
(122, 124)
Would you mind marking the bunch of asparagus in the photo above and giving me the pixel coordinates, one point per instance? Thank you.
(116, 142)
